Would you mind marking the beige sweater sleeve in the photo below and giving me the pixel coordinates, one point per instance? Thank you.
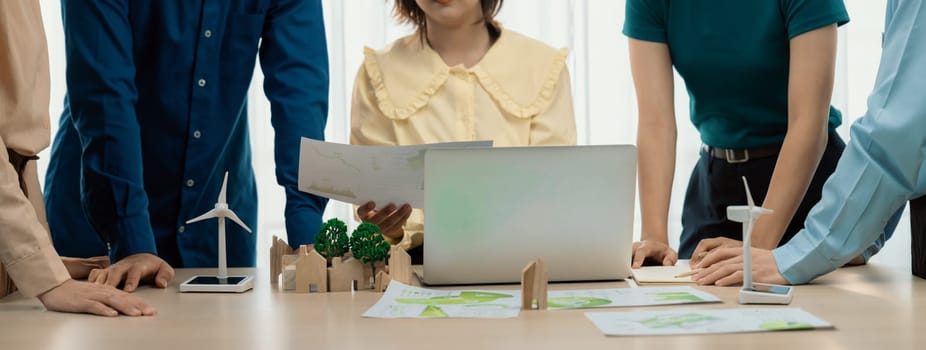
(25, 247)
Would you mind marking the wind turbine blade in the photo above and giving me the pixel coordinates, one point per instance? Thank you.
(224, 186)
(748, 194)
(231, 215)
(214, 213)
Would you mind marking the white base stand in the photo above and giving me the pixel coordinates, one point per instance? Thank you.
(762, 293)
(213, 284)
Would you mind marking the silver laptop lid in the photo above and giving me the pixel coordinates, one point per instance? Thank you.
(490, 211)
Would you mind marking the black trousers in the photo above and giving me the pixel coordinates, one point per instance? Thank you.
(918, 236)
(716, 184)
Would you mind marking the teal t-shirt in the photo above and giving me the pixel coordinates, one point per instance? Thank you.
(733, 56)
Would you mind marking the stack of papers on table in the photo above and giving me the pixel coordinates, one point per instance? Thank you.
(673, 322)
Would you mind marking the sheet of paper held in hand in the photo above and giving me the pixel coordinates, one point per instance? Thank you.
(675, 322)
(662, 274)
(404, 301)
(357, 174)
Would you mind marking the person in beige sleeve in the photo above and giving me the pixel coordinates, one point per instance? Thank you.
(460, 77)
(26, 252)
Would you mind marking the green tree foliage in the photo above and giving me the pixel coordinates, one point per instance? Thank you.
(331, 240)
(368, 245)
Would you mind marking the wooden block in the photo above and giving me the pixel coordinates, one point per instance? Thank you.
(368, 274)
(289, 271)
(400, 265)
(275, 263)
(278, 248)
(534, 281)
(342, 275)
(289, 277)
(527, 285)
(382, 281)
(311, 270)
(541, 283)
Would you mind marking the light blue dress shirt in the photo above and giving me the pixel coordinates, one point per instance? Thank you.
(883, 165)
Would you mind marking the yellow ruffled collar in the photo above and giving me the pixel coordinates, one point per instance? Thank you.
(519, 73)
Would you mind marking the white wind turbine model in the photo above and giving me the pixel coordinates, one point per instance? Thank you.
(222, 282)
(754, 293)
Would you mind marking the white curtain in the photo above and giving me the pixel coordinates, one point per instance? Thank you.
(604, 100)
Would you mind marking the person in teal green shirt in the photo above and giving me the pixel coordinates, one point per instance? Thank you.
(759, 76)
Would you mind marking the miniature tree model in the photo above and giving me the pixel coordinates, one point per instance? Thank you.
(331, 241)
(368, 245)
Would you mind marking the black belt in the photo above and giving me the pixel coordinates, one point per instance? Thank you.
(741, 155)
(19, 163)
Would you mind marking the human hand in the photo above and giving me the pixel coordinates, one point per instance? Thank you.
(707, 245)
(657, 250)
(133, 269)
(724, 267)
(79, 268)
(103, 300)
(389, 219)
(856, 261)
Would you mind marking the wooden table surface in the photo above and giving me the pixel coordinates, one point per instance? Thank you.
(872, 307)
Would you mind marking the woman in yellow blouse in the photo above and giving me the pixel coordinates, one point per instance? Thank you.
(461, 77)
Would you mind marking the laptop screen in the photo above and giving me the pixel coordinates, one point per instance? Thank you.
(490, 211)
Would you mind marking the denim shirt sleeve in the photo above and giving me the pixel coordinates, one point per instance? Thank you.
(294, 60)
(102, 96)
(882, 167)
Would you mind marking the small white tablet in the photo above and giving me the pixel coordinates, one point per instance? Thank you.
(762, 293)
(213, 284)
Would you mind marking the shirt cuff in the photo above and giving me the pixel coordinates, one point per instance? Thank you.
(134, 236)
(38, 272)
(799, 261)
(651, 35)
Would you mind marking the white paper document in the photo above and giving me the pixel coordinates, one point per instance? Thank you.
(404, 301)
(674, 322)
(358, 174)
(624, 297)
(663, 274)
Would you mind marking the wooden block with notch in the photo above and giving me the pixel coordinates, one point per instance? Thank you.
(311, 270)
(400, 265)
(382, 281)
(278, 249)
(534, 282)
(344, 274)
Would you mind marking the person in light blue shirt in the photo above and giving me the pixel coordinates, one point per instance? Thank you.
(156, 113)
(883, 167)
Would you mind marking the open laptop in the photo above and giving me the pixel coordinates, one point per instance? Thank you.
(490, 211)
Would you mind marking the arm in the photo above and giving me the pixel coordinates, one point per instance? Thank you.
(810, 87)
(294, 59)
(102, 97)
(25, 248)
(880, 170)
(370, 127)
(651, 65)
(556, 125)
